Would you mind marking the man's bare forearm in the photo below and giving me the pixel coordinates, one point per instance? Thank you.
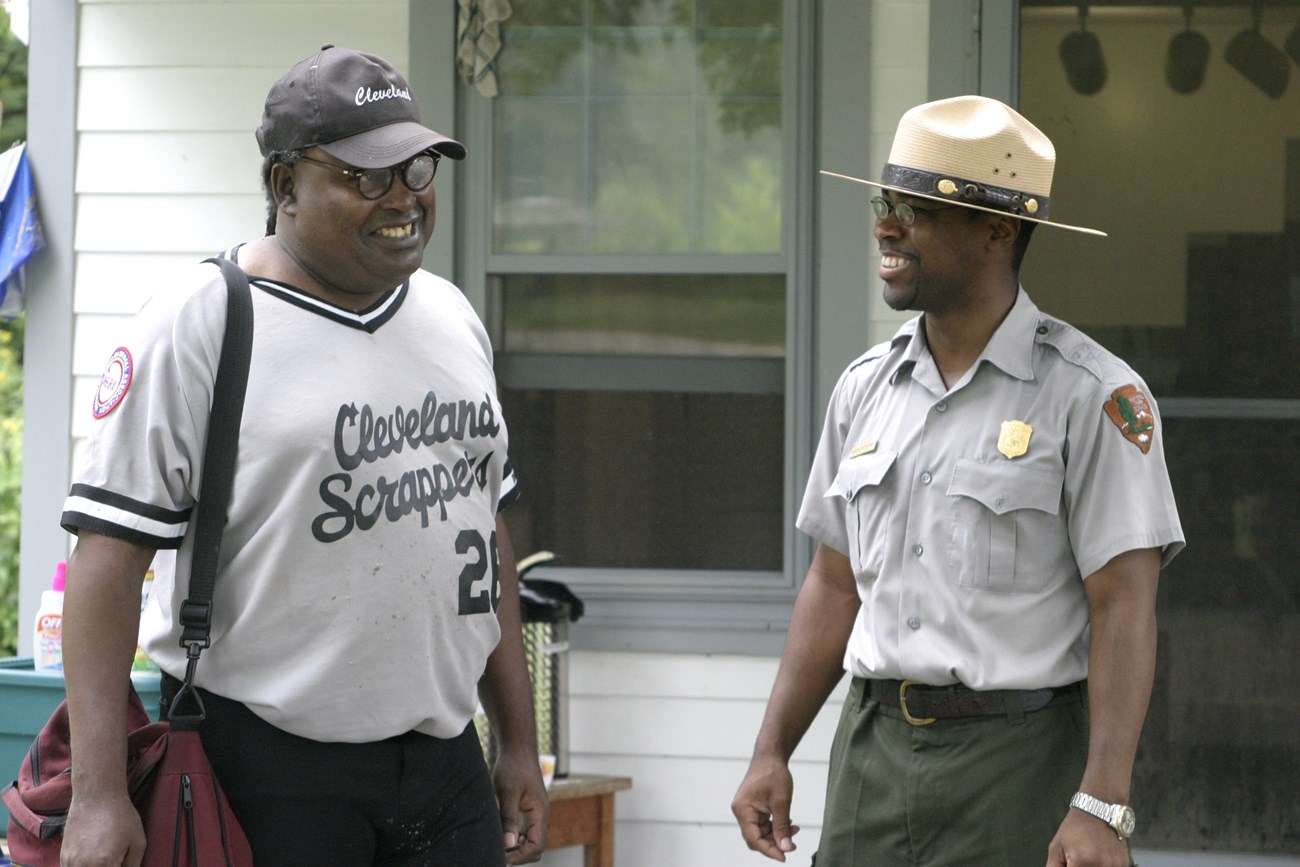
(1121, 669)
(813, 659)
(101, 621)
(505, 690)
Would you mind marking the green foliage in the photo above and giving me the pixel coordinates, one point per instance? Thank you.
(13, 85)
(13, 95)
(11, 469)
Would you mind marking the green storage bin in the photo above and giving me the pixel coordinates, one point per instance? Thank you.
(27, 698)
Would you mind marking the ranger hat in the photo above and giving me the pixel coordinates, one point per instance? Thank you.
(354, 106)
(975, 152)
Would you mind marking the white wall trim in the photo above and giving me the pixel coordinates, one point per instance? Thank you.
(47, 348)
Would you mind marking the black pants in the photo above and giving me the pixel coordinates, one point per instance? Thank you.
(408, 801)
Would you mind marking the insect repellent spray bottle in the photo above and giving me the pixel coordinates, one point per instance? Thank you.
(47, 642)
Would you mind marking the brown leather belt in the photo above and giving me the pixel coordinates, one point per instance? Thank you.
(922, 704)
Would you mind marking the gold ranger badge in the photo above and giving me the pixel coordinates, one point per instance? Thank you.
(1013, 440)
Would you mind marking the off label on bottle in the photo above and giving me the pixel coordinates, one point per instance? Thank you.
(47, 638)
(49, 642)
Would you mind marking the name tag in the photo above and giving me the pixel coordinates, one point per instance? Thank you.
(865, 449)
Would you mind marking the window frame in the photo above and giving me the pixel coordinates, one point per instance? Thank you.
(659, 609)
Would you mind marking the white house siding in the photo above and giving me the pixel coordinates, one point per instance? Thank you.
(168, 95)
(899, 80)
(682, 726)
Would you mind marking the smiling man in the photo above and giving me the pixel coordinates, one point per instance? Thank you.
(992, 509)
(367, 595)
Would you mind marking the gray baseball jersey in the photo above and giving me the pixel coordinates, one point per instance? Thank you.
(358, 582)
(972, 514)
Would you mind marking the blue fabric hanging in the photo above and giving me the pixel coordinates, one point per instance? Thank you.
(20, 228)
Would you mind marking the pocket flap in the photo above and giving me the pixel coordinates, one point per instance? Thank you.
(860, 472)
(1004, 486)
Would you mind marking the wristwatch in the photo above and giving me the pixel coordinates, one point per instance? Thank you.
(1118, 816)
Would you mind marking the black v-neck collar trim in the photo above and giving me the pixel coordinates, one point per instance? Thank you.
(369, 320)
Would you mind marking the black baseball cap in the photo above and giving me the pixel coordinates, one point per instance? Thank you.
(354, 106)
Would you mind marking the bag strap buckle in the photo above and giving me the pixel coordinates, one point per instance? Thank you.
(188, 692)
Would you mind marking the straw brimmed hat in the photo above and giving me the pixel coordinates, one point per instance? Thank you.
(975, 152)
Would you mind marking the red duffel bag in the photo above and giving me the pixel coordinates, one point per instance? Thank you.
(187, 820)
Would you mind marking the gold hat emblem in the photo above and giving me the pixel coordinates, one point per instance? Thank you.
(1013, 440)
(947, 187)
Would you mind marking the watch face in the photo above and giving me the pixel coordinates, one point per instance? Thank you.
(1127, 821)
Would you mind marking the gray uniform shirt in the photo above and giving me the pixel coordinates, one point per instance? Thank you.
(971, 515)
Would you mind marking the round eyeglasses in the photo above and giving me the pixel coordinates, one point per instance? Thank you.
(905, 213)
(417, 173)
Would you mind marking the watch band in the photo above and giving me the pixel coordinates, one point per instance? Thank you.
(1119, 817)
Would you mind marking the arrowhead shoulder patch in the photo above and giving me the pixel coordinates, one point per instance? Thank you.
(1130, 411)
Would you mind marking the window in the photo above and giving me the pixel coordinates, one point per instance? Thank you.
(637, 266)
(1198, 287)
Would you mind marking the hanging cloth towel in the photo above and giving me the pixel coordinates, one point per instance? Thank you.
(20, 229)
(478, 39)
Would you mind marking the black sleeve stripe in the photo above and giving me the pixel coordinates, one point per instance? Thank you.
(127, 504)
(508, 499)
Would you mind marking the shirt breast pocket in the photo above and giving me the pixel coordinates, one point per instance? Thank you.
(1001, 513)
(863, 484)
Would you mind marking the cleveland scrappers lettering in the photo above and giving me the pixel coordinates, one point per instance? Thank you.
(363, 438)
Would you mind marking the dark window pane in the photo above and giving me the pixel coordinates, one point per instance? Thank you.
(648, 480)
(1220, 752)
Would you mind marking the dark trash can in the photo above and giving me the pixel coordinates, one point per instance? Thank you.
(547, 609)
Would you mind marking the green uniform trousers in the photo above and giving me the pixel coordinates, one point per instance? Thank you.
(986, 791)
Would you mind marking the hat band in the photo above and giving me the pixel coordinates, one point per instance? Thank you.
(928, 183)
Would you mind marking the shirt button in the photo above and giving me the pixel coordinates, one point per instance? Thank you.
(918, 550)
(941, 407)
(926, 478)
(914, 622)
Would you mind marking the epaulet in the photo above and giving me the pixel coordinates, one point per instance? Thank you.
(1075, 347)
(880, 350)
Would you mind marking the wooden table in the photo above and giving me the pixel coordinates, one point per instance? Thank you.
(582, 814)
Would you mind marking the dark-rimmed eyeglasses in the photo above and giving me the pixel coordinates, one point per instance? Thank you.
(417, 173)
(906, 213)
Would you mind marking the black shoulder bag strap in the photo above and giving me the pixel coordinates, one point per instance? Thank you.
(218, 475)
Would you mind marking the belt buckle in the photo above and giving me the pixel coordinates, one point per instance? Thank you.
(902, 704)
